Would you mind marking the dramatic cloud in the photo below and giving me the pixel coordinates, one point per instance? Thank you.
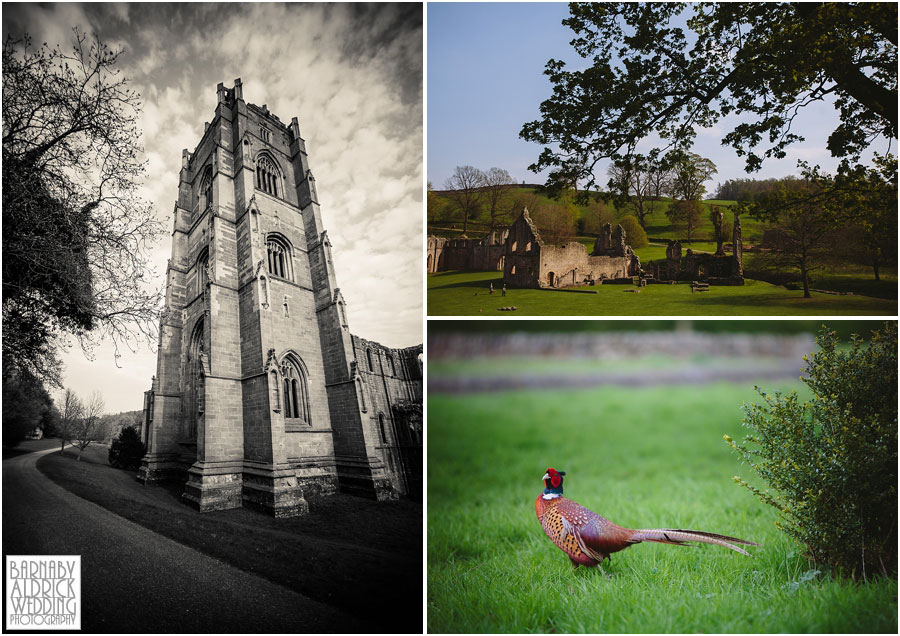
(350, 73)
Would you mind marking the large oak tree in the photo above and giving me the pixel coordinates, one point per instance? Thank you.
(763, 61)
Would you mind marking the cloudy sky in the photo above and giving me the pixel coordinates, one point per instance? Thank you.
(481, 93)
(350, 73)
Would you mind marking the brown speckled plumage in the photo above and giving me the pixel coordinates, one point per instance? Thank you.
(588, 539)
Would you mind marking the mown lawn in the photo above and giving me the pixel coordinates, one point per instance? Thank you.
(651, 457)
(466, 294)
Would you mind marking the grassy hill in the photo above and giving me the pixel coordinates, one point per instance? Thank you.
(658, 226)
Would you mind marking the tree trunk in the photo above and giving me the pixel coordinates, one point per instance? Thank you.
(465, 222)
(62, 447)
(875, 266)
(805, 276)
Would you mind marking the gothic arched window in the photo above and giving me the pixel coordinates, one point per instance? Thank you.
(196, 380)
(205, 195)
(267, 175)
(296, 396)
(279, 255)
(369, 359)
(202, 271)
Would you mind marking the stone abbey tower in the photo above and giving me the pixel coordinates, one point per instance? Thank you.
(262, 396)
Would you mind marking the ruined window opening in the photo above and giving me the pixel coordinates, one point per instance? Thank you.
(279, 257)
(381, 428)
(513, 270)
(393, 368)
(369, 359)
(267, 175)
(528, 246)
(515, 245)
(296, 397)
(205, 195)
(202, 271)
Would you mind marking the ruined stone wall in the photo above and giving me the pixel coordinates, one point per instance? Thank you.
(570, 265)
(716, 269)
(521, 267)
(466, 254)
(532, 263)
(389, 377)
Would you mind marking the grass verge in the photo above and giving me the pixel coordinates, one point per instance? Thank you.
(359, 555)
(649, 457)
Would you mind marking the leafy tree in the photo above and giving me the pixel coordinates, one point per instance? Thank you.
(866, 198)
(496, 183)
(743, 189)
(639, 181)
(76, 236)
(555, 221)
(464, 189)
(50, 422)
(831, 462)
(634, 233)
(803, 232)
(597, 214)
(688, 173)
(25, 405)
(685, 215)
(763, 61)
(126, 450)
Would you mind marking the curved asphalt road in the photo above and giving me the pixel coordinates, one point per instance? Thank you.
(134, 580)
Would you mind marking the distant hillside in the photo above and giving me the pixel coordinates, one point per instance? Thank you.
(447, 221)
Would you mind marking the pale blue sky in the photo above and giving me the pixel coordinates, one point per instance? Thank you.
(485, 79)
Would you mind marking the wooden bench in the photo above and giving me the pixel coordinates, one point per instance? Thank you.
(700, 287)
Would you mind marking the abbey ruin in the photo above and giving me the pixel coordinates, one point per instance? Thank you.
(527, 261)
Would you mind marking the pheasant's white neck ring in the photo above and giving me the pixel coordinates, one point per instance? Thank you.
(551, 495)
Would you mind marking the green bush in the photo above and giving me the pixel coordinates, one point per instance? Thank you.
(126, 450)
(831, 463)
(634, 233)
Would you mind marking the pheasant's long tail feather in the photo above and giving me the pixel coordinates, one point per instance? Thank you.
(678, 537)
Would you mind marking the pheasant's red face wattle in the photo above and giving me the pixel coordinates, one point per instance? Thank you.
(555, 478)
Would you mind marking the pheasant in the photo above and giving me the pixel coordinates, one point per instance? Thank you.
(588, 538)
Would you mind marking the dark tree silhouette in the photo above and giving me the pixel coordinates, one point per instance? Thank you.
(764, 61)
(75, 233)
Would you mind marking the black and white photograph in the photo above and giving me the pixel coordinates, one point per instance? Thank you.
(213, 317)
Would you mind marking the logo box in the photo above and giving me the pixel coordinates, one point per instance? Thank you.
(43, 592)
